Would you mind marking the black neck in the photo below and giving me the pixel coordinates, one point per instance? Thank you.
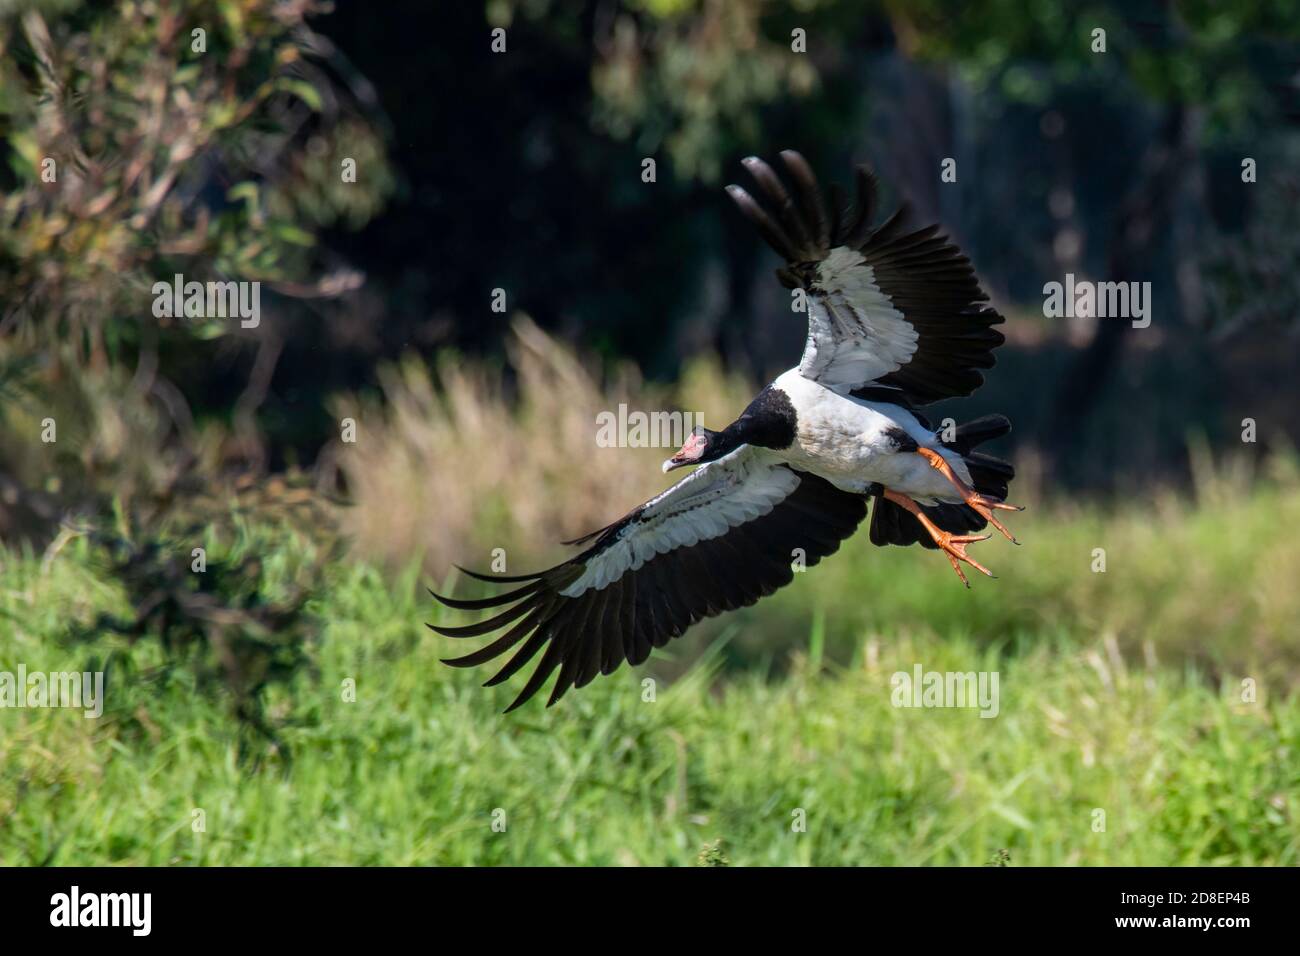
(768, 422)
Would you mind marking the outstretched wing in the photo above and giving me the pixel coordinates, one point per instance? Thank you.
(885, 305)
(719, 539)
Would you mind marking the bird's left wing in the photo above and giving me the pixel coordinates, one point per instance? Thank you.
(884, 305)
(719, 539)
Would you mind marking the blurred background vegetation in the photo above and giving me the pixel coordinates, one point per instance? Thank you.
(139, 140)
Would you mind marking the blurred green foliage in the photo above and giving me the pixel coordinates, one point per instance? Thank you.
(140, 140)
(213, 139)
(409, 770)
(1221, 56)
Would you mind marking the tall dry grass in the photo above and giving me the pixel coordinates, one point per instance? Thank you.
(453, 462)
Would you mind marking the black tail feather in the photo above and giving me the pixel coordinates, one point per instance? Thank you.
(893, 524)
(978, 431)
(990, 475)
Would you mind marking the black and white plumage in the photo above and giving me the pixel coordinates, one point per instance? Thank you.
(898, 308)
(895, 321)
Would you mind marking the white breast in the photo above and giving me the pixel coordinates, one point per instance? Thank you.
(845, 440)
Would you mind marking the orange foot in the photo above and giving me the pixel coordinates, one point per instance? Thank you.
(952, 545)
(982, 504)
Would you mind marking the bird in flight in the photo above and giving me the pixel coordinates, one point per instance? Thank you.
(895, 321)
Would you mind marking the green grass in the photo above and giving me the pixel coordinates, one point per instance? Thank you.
(1120, 692)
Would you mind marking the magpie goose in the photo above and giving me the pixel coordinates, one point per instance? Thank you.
(895, 321)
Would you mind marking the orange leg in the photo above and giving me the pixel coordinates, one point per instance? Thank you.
(952, 545)
(984, 506)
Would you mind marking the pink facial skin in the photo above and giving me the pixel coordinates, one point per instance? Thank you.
(690, 453)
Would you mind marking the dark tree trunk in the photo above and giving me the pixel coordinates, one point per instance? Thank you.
(1144, 216)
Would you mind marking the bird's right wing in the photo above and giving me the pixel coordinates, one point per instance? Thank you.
(721, 538)
(884, 305)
